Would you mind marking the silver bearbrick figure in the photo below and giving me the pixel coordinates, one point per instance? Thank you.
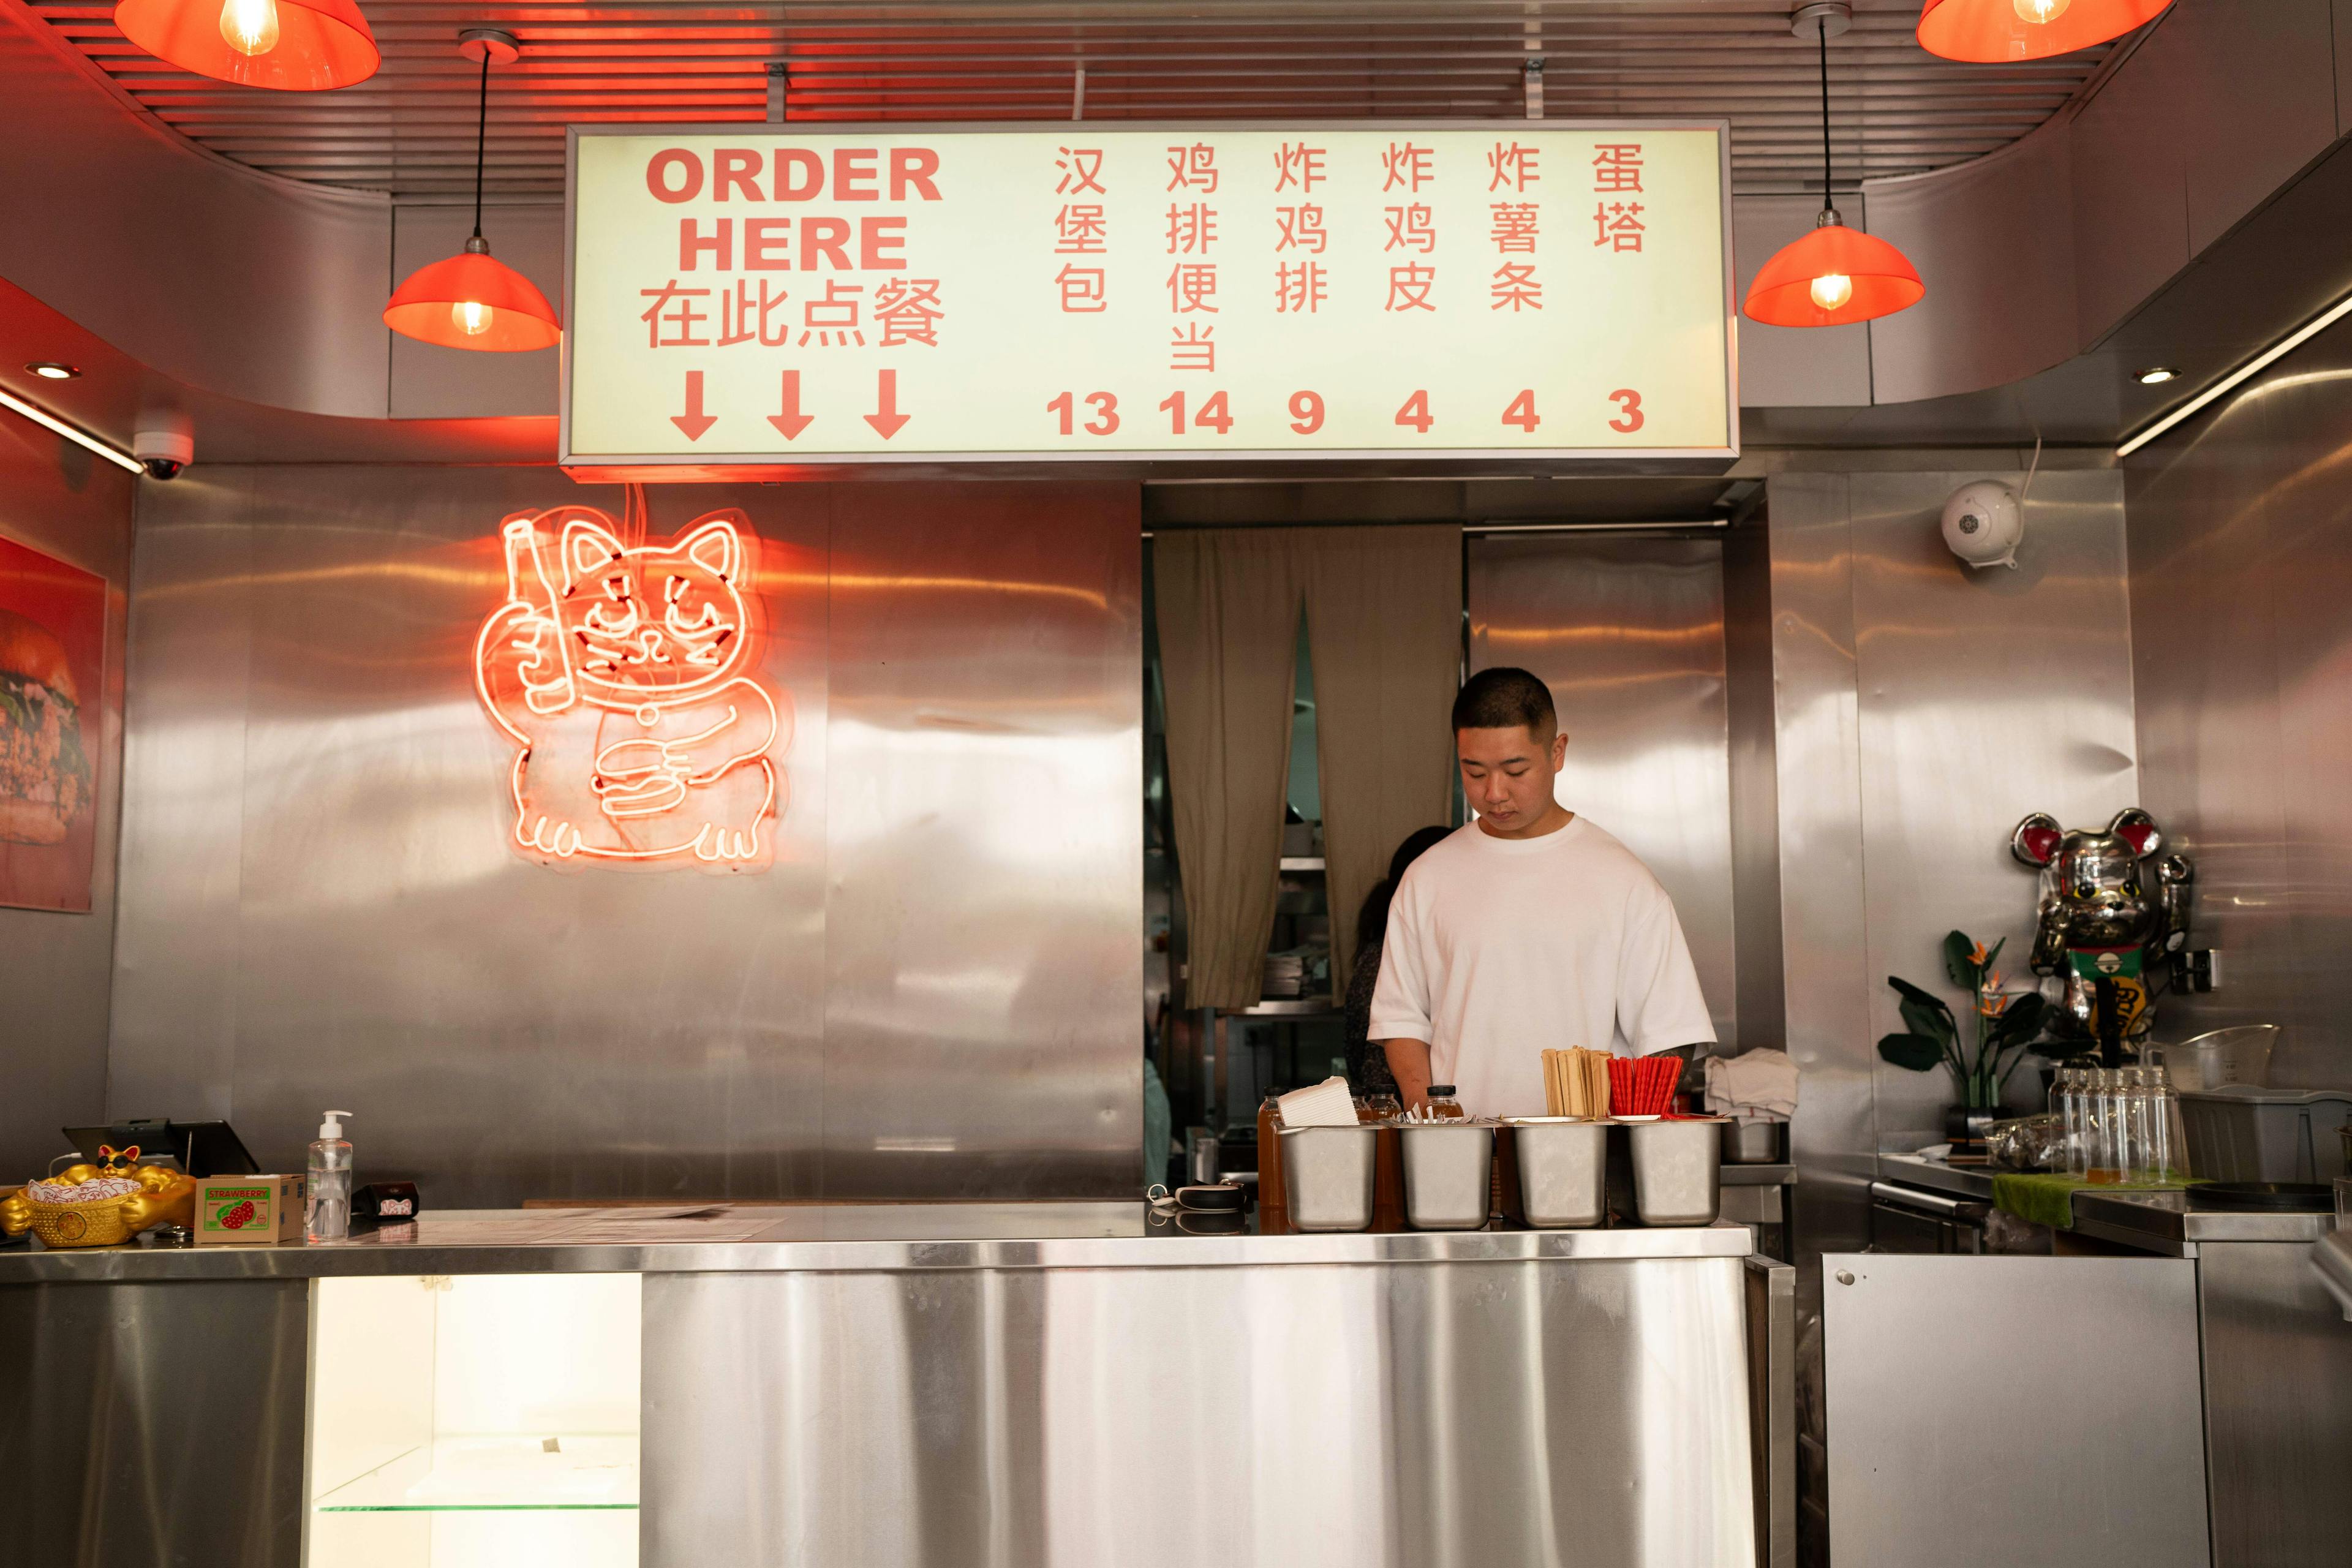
(2103, 924)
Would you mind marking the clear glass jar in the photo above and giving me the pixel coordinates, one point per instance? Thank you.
(2140, 1154)
(2106, 1126)
(1443, 1106)
(1384, 1107)
(2066, 1096)
(2171, 1160)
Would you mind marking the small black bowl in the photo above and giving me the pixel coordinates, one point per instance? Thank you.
(1221, 1197)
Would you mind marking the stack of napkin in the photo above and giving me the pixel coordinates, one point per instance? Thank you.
(1754, 1083)
(1325, 1104)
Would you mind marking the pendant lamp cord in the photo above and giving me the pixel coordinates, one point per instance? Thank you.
(482, 134)
(1827, 200)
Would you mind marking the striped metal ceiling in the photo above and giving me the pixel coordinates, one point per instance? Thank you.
(410, 130)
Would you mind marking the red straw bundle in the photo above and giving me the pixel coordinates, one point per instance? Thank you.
(1644, 1086)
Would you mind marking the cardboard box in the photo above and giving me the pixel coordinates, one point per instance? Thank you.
(248, 1211)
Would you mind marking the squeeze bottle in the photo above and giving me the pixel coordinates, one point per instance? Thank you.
(326, 1195)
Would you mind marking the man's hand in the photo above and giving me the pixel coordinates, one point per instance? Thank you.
(1409, 1065)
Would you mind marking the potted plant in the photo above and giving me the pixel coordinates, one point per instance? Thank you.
(2007, 1025)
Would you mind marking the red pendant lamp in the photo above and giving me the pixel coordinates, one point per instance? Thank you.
(292, 45)
(471, 301)
(1835, 275)
(1992, 30)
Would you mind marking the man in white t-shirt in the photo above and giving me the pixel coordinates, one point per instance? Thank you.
(1527, 929)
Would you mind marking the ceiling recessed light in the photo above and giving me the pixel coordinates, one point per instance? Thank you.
(50, 370)
(2157, 375)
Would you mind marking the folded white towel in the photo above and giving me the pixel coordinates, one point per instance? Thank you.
(1325, 1104)
(1754, 1083)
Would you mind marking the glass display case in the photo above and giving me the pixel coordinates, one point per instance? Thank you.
(473, 1421)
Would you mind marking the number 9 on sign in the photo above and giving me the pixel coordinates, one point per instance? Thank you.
(1305, 412)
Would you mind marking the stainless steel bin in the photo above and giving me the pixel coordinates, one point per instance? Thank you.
(1753, 1141)
(1449, 1174)
(1327, 1176)
(1563, 1170)
(1677, 1169)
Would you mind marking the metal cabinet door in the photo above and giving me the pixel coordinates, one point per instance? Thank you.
(2013, 1410)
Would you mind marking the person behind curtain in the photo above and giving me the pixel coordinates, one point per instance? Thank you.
(1368, 1065)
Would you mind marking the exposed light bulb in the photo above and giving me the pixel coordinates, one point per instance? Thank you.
(470, 317)
(2039, 13)
(1831, 290)
(251, 26)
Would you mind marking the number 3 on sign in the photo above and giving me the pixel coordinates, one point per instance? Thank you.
(1629, 416)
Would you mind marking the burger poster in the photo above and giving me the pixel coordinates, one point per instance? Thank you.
(52, 669)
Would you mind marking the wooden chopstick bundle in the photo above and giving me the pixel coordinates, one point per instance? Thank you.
(1576, 1082)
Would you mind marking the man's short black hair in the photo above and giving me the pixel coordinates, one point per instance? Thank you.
(1505, 697)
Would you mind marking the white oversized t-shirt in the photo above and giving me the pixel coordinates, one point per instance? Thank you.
(1501, 949)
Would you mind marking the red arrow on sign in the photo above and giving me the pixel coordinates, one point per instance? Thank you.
(790, 420)
(694, 421)
(885, 419)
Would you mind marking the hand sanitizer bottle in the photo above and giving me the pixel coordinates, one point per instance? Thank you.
(327, 1198)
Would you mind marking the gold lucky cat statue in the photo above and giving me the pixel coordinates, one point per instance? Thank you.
(101, 1205)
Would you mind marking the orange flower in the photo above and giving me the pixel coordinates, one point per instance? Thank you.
(1993, 1001)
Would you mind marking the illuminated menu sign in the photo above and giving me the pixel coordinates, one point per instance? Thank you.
(745, 298)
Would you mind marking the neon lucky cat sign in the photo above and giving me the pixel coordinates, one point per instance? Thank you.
(628, 680)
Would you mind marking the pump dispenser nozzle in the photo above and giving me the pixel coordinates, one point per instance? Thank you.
(332, 1127)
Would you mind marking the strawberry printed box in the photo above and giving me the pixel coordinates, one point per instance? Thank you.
(248, 1211)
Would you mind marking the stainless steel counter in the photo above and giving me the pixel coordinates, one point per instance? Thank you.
(826, 1238)
(2269, 1378)
(2165, 1223)
(938, 1386)
(1958, 1181)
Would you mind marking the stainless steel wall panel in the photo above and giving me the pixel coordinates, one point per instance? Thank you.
(1833, 1138)
(2238, 561)
(156, 1424)
(983, 979)
(172, 1046)
(325, 910)
(503, 1031)
(1921, 710)
(1753, 782)
(1628, 632)
(1441, 1417)
(1984, 696)
(56, 968)
(1925, 1470)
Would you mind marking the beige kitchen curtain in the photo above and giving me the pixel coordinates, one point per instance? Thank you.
(1384, 630)
(1383, 609)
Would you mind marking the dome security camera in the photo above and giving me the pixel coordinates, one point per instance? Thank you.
(165, 444)
(1984, 524)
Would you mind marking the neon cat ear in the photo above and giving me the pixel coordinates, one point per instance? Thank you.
(717, 547)
(589, 547)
